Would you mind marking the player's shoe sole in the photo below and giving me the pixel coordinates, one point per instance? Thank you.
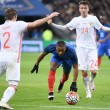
(88, 94)
(5, 106)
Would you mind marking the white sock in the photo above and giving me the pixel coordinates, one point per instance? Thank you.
(92, 77)
(8, 94)
(86, 83)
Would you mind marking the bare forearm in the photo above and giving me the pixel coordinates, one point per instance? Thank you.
(40, 58)
(75, 73)
(37, 23)
(40, 22)
(75, 76)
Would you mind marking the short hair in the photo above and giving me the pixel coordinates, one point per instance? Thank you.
(84, 2)
(61, 43)
(10, 13)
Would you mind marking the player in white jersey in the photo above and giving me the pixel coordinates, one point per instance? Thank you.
(85, 26)
(11, 40)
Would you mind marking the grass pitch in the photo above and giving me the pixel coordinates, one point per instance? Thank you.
(32, 91)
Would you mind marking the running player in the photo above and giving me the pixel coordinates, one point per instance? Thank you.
(11, 38)
(85, 26)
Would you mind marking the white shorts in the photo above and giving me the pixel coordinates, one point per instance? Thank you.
(87, 58)
(8, 64)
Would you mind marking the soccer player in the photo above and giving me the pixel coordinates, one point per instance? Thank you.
(65, 55)
(104, 40)
(85, 26)
(11, 38)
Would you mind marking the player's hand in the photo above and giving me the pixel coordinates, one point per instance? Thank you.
(73, 87)
(49, 21)
(35, 68)
(53, 15)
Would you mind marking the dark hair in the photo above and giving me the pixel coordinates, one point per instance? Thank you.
(61, 43)
(84, 2)
(10, 13)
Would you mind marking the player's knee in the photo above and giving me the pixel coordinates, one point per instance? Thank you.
(13, 84)
(67, 77)
(94, 72)
(53, 69)
(14, 87)
(84, 73)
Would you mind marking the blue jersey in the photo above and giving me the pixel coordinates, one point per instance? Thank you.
(104, 47)
(69, 54)
(104, 34)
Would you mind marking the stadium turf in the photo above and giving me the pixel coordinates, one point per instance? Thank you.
(33, 91)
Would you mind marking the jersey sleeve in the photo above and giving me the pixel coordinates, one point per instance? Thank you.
(22, 25)
(97, 23)
(50, 48)
(72, 24)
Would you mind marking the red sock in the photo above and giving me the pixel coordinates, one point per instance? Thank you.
(51, 80)
(64, 78)
(99, 61)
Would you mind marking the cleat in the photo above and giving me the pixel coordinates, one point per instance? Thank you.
(50, 96)
(5, 106)
(60, 87)
(92, 85)
(88, 94)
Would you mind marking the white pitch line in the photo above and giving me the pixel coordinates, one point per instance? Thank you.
(63, 107)
(76, 107)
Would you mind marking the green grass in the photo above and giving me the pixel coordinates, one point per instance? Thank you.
(33, 89)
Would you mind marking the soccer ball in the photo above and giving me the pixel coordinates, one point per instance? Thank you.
(72, 98)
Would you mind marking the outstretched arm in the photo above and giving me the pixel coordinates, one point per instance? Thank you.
(73, 86)
(40, 22)
(63, 28)
(39, 59)
(75, 74)
(105, 28)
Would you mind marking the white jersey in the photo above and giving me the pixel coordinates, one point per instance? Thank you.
(11, 41)
(11, 36)
(85, 30)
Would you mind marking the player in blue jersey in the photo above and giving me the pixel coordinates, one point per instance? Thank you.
(104, 40)
(65, 55)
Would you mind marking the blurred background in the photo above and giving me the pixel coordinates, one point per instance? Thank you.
(30, 10)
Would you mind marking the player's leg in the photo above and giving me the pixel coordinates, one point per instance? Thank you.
(92, 77)
(86, 83)
(101, 51)
(99, 60)
(67, 65)
(93, 67)
(82, 54)
(54, 63)
(3, 104)
(8, 94)
(107, 51)
(13, 77)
